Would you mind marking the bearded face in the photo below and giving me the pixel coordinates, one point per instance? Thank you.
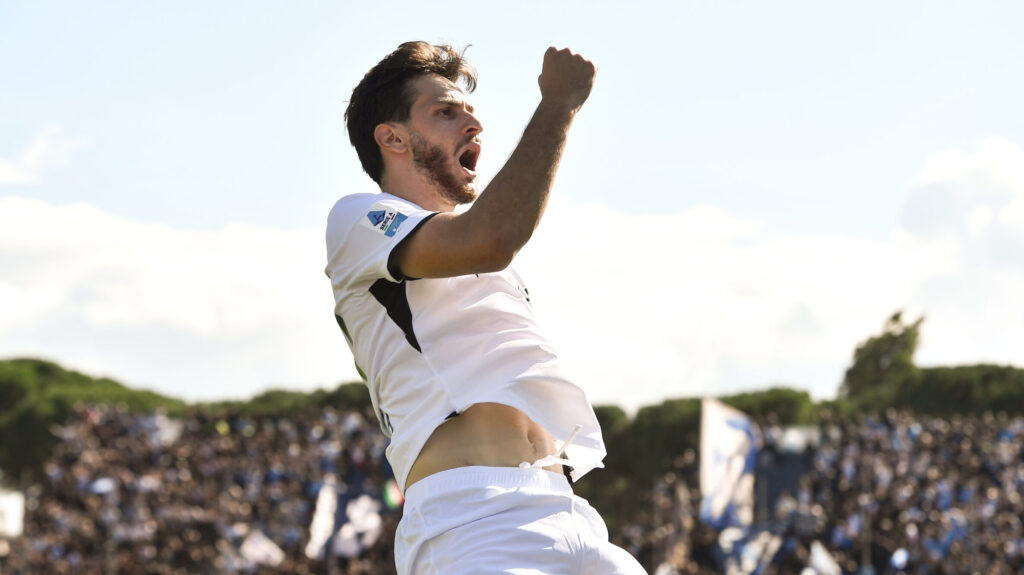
(431, 161)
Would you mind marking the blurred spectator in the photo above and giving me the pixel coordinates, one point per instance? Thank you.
(152, 495)
(149, 494)
(906, 494)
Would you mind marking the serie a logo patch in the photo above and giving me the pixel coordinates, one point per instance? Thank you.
(383, 219)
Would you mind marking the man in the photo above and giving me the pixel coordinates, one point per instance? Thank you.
(483, 424)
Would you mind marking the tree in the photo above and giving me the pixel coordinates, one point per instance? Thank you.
(613, 420)
(786, 406)
(966, 389)
(884, 363)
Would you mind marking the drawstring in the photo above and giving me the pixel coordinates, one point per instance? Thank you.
(554, 459)
(544, 462)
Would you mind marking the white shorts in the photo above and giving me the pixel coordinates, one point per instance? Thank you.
(486, 520)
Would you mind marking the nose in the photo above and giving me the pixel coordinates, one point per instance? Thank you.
(472, 125)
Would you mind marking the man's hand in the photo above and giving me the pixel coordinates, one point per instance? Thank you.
(566, 78)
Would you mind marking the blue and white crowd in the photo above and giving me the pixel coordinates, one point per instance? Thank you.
(886, 495)
(145, 494)
(202, 494)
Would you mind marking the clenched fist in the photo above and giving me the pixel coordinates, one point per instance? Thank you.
(566, 78)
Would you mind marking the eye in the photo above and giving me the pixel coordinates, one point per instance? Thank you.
(446, 112)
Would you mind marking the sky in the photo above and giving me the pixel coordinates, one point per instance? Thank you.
(749, 192)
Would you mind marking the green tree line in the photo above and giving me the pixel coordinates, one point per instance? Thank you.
(883, 374)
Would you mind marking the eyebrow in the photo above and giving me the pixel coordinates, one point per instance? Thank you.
(451, 100)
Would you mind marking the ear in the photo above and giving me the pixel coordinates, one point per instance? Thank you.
(391, 137)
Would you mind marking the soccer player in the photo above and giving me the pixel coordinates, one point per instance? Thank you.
(487, 434)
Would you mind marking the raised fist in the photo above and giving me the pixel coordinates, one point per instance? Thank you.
(566, 77)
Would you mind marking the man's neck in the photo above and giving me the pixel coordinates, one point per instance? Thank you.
(417, 191)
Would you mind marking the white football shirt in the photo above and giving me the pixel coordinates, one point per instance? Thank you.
(433, 347)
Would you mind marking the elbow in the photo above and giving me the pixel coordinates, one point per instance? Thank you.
(499, 253)
(498, 259)
(491, 245)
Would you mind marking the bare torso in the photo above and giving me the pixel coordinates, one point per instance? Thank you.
(488, 434)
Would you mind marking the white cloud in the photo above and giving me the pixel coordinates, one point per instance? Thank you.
(48, 147)
(967, 210)
(661, 305)
(972, 204)
(654, 305)
(194, 313)
(643, 307)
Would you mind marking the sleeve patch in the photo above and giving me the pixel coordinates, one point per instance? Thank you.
(384, 219)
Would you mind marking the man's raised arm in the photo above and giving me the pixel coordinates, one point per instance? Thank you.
(487, 236)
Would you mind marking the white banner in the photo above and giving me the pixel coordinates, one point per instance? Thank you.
(362, 530)
(12, 514)
(748, 553)
(323, 518)
(259, 549)
(729, 441)
(822, 562)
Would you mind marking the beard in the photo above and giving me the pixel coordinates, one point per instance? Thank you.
(432, 162)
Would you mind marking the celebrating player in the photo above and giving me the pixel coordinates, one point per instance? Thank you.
(487, 433)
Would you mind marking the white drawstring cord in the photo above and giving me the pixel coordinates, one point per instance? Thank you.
(553, 459)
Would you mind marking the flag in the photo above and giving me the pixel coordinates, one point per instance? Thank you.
(392, 494)
(821, 561)
(12, 513)
(322, 527)
(729, 441)
(745, 553)
(260, 550)
(363, 528)
(165, 431)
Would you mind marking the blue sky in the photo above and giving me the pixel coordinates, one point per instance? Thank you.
(766, 169)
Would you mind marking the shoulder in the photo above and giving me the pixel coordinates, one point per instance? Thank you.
(360, 202)
(352, 208)
(364, 229)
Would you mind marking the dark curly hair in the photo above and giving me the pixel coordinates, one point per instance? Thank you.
(384, 94)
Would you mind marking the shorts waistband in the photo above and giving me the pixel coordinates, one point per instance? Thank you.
(480, 476)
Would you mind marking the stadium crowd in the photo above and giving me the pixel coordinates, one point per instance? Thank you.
(931, 495)
(137, 494)
(887, 495)
(145, 494)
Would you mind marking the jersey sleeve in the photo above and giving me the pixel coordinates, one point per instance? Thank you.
(363, 231)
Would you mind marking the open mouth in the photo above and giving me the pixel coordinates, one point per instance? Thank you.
(469, 157)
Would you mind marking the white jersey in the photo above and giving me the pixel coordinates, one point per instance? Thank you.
(430, 348)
